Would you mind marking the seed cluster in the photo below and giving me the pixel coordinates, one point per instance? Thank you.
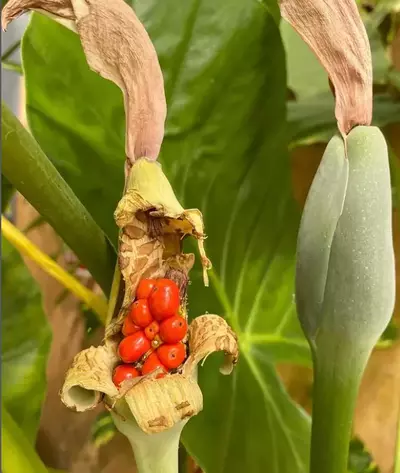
(153, 332)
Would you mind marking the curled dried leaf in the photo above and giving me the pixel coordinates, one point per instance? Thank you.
(89, 378)
(345, 56)
(208, 334)
(61, 9)
(119, 49)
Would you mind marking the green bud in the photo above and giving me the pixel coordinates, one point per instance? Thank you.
(345, 281)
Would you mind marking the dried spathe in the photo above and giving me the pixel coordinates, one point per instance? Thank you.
(153, 226)
(336, 34)
(148, 391)
(118, 48)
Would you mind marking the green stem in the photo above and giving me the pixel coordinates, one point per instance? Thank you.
(337, 375)
(154, 453)
(7, 53)
(29, 170)
(12, 66)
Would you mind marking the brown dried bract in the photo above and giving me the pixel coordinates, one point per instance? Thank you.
(336, 34)
(86, 381)
(158, 404)
(207, 334)
(118, 48)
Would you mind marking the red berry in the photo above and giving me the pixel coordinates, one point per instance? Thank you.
(171, 356)
(133, 347)
(140, 313)
(144, 288)
(152, 363)
(173, 329)
(164, 299)
(124, 372)
(129, 327)
(151, 330)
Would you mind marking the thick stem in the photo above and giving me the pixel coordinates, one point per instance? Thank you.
(337, 374)
(157, 453)
(154, 453)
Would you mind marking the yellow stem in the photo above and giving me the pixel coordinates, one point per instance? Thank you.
(97, 303)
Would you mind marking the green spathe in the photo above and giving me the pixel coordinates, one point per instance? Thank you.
(360, 288)
(345, 281)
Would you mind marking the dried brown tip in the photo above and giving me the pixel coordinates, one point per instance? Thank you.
(346, 56)
(119, 49)
(14, 9)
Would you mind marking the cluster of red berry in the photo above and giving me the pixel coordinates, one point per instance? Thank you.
(153, 332)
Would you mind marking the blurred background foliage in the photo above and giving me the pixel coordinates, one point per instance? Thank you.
(249, 113)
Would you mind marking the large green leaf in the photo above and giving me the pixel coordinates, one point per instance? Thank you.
(301, 65)
(26, 342)
(18, 454)
(31, 173)
(312, 120)
(224, 152)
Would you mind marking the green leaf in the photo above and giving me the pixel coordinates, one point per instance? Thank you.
(26, 342)
(360, 460)
(18, 455)
(301, 65)
(380, 59)
(29, 170)
(312, 120)
(103, 429)
(224, 152)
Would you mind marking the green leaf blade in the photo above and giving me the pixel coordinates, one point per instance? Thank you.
(18, 455)
(26, 343)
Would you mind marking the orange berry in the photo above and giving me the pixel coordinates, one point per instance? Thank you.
(144, 288)
(171, 356)
(151, 330)
(128, 328)
(124, 372)
(152, 363)
(164, 299)
(173, 329)
(133, 347)
(140, 313)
